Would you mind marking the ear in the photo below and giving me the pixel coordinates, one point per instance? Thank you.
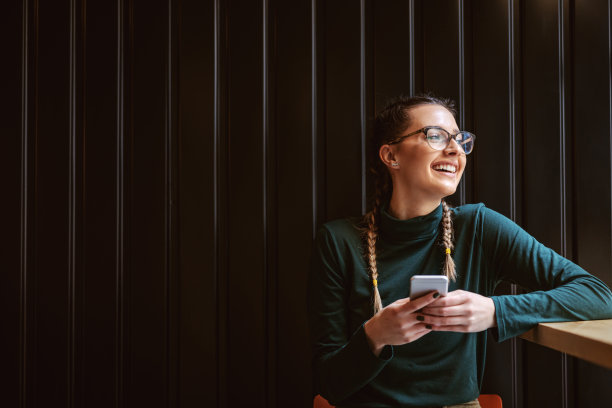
(388, 157)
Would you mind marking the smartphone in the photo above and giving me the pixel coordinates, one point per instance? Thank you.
(421, 285)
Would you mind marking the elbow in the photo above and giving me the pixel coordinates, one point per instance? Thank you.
(322, 385)
(601, 304)
(326, 383)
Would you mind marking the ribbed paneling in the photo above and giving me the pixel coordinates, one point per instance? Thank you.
(494, 174)
(14, 40)
(198, 206)
(295, 88)
(219, 253)
(98, 225)
(166, 165)
(246, 272)
(50, 280)
(590, 149)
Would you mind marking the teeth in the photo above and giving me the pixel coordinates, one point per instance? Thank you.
(445, 167)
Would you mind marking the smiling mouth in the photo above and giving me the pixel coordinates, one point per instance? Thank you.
(445, 168)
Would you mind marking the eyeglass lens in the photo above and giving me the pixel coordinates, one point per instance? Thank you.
(439, 139)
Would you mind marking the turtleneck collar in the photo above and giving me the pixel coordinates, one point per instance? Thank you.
(396, 230)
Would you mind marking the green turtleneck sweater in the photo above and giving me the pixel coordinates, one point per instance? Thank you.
(440, 368)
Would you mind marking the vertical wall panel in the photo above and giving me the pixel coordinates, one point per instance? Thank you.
(541, 163)
(367, 99)
(75, 193)
(246, 269)
(343, 109)
(292, 128)
(51, 271)
(443, 62)
(541, 123)
(491, 156)
(173, 296)
(490, 161)
(220, 196)
(591, 143)
(197, 333)
(441, 48)
(591, 150)
(99, 154)
(269, 201)
(27, 373)
(391, 50)
(123, 97)
(147, 291)
(11, 161)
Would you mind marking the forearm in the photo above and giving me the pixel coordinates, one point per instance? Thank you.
(584, 298)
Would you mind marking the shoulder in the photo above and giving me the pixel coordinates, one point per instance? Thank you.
(342, 231)
(482, 218)
(339, 242)
(468, 211)
(490, 227)
(478, 212)
(468, 214)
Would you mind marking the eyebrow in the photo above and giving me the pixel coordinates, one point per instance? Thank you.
(455, 130)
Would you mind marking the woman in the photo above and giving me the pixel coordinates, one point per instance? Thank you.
(375, 347)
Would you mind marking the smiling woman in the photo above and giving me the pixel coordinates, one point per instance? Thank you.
(374, 346)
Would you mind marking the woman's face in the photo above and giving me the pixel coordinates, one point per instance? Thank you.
(425, 173)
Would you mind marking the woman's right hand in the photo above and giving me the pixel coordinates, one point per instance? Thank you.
(397, 323)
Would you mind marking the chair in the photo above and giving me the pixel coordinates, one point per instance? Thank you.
(490, 401)
(485, 400)
(320, 402)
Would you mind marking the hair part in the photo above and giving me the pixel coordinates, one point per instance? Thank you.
(389, 123)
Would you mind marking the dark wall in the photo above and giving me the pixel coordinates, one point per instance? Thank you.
(165, 164)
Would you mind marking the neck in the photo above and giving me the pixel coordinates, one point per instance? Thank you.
(404, 208)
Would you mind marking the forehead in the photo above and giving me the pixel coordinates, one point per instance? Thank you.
(431, 115)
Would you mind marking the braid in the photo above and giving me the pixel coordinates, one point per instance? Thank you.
(447, 239)
(372, 235)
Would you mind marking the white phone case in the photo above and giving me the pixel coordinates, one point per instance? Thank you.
(421, 285)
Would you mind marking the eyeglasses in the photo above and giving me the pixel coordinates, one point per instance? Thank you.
(439, 139)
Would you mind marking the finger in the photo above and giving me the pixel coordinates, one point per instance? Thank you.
(442, 321)
(458, 310)
(451, 328)
(452, 299)
(421, 334)
(401, 302)
(419, 303)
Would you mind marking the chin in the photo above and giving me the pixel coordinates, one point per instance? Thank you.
(448, 191)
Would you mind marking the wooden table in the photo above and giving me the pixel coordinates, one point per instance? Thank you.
(588, 340)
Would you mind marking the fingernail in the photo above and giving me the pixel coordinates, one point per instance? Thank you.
(435, 295)
(428, 326)
(420, 318)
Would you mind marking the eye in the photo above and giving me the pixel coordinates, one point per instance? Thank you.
(435, 135)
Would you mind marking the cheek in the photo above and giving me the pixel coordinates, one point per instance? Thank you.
(417, 168)
(463, 164)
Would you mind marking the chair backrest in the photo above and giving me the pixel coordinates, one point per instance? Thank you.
(490, 401)
(320, 402)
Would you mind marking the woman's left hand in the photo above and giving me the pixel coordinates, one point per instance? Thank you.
(460, 311)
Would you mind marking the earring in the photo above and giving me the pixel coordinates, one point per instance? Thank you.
(395, 164)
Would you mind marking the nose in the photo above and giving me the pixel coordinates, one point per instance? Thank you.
(453, 147)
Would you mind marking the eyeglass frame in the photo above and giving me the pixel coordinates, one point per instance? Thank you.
(426, 129)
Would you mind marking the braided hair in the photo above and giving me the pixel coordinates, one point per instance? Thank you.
(389, 123)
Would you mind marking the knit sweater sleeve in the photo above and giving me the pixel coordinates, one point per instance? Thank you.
(561, 290)
(342, 361)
